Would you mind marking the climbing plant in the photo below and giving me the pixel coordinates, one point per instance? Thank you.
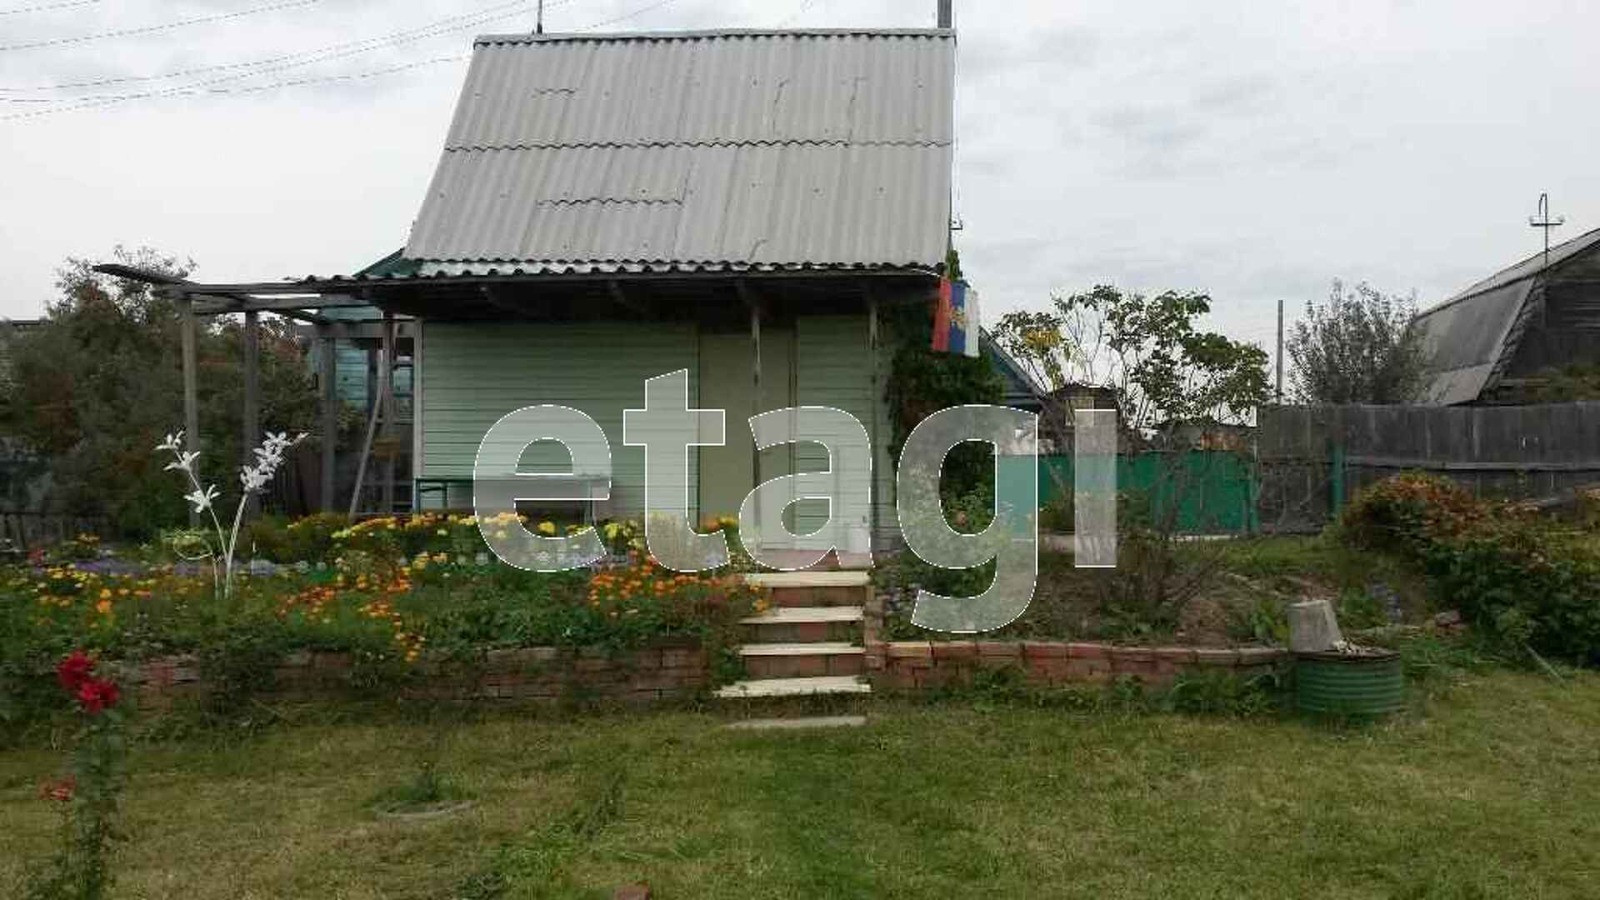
(921, 382)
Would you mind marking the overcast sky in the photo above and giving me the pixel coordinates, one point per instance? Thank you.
(1253, 150)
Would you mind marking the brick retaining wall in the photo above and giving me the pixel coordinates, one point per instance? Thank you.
(551, 674)
(918, 665)
(915, 665)
(531, 674)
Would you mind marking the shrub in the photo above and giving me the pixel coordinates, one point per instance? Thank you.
(1525, 582)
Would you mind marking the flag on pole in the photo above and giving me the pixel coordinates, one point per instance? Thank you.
(955, 319)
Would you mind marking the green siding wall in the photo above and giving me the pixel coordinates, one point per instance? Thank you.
(834, 368)
(472, 374)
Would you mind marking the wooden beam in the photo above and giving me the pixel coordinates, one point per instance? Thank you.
(221, 304)
(619, 297)
(492, 297)
(191, 392)
(134, 273)
(343, 286)
(330, 415)
(251, 414)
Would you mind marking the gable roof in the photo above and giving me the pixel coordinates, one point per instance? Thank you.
(1472, 336)
(728, 149)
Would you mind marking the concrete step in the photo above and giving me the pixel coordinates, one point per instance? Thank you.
(803, 660)
(797, 723)
(796, 614)
(795, 687)
(804, 624)
(813, 588)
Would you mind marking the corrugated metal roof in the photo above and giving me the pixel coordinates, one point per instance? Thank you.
(1465, 337)
(703, 148)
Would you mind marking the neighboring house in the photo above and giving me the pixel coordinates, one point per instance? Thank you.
(1496, 341)
(1021, 392)
(608, 208)
(1204, 433)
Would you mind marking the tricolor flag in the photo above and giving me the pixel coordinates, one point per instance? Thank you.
(955, 318)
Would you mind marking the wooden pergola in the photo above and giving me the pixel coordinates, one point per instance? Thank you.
(302, 302)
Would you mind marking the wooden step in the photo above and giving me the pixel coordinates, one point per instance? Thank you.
(804, 624)
(795, 687)
(811, 588)
(803, 660)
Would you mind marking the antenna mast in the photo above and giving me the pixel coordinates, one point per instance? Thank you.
(538, 22)
(1546, 222)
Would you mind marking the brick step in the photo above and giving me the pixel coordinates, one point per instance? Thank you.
(795, 687)
(813, 588)
(804, 624)
(803, 660)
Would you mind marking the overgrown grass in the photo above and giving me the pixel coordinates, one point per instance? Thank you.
(1489, 788)
(1242, 600)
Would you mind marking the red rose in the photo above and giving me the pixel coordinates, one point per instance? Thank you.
(96, 695)
(73, 671)
(60, 791)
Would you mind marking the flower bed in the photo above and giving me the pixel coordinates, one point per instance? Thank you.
(397, 601)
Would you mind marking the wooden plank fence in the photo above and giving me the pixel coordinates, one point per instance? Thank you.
(1311, 459)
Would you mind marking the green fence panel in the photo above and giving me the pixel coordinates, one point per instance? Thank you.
(1214, 490)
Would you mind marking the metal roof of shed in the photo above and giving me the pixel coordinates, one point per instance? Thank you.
(738, 149)
(1467, 336)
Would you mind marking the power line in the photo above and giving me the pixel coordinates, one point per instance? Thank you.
(99, 101)
(203, 87)
(149, 29)
(394, 38)
(258, 88)
(46, 7)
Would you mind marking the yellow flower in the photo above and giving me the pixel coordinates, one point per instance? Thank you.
(547, 528)
(103, 607)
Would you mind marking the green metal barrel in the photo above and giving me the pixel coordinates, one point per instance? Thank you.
(1364, 685)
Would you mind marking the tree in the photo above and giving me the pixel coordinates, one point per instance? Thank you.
(1357, 347)
(1164, 369)
(99, 382)
(1165, 372)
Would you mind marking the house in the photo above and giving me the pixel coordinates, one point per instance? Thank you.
(750, 206)
(1501, 340)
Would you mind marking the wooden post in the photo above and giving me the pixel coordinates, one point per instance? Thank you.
(330, 414)
(366, 445)
(251, 415)
(872, 423)
(755, 374)
(387, 402)
(191, 391)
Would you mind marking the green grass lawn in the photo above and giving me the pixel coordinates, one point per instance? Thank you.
(1490, 789)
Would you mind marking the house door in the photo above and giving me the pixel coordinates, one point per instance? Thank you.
(727, 382)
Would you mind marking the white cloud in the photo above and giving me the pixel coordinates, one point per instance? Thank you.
(1255, 151)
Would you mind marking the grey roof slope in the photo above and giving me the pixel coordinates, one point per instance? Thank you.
(764, 149)
(1467, 336)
